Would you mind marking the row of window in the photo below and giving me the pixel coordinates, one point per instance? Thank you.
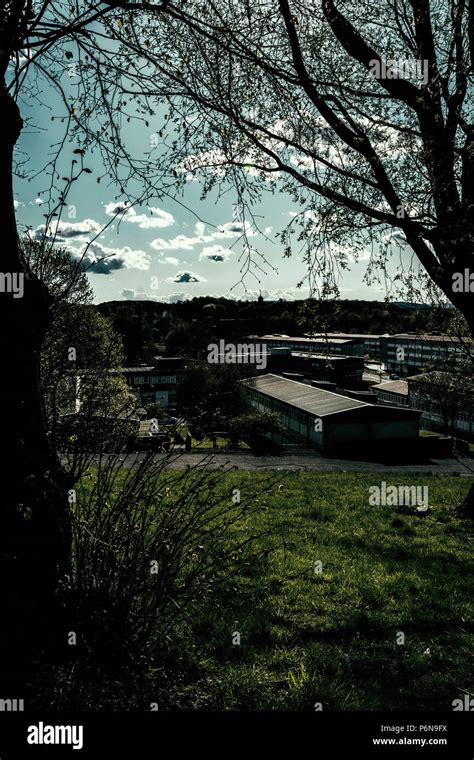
(459, 419)
(433, 408)
(425, 349)
(276, 406)
(392, 397)
(153, 380)
(307, 347)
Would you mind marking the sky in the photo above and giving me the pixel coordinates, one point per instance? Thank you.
(166, 250)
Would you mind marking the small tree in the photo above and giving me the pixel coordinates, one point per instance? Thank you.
(85, 396)
(254, 428)
(211, 395)
(446, 394)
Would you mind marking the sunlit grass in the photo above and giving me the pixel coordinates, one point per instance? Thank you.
(330, 638)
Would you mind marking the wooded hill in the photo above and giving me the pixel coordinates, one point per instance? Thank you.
(149, 328)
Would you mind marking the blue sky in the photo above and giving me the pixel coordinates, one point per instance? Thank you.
(166, 250)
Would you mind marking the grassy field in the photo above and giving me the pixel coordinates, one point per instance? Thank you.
(222, 443)
(330, 637)
(206, 442)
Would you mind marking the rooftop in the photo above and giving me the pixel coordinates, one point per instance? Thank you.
(326, 404)
(446, 378)
(136, 369)
(292, 339)
(359, 336)
(395, 386)
(324, 357)
(305, 397)
(428, 337)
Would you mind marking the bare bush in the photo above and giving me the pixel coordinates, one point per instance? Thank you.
(148, 543)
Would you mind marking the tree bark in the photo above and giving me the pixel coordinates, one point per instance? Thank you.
(34, 532)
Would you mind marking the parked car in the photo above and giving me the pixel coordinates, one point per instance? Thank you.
(394, 377)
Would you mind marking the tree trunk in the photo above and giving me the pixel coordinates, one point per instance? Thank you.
(34, 532)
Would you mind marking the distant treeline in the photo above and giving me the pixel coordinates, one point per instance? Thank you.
(149, 328)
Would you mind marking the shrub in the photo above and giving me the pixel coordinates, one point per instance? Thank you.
(148, 543)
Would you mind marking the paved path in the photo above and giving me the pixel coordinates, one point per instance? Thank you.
(315, 463)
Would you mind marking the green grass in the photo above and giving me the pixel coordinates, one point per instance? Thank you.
(206, 442)
(330, 638)
(222, 443)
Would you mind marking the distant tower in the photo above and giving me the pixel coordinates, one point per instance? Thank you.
(260, 319)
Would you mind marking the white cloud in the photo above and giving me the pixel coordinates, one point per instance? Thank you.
(211, 159)
(176, 297)
(187, 243)
(60, 231)
(235, 229)
(180, 243)
(130, 295)
(39, 201)
(169, 260)
(309, 214)
(216, 161)
(186, 277)
(100, 258)
(156, 218)
(215, 253)
(300, 161)
(17, 204)
(137, 295)
(103, 260)
(289, 294)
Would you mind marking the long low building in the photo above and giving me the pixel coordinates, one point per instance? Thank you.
(156, 383)
(343, 370)
(408, 354)
(321, 345)
(328, 420)
(403, 354)
(394, 393)
(372, 343)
